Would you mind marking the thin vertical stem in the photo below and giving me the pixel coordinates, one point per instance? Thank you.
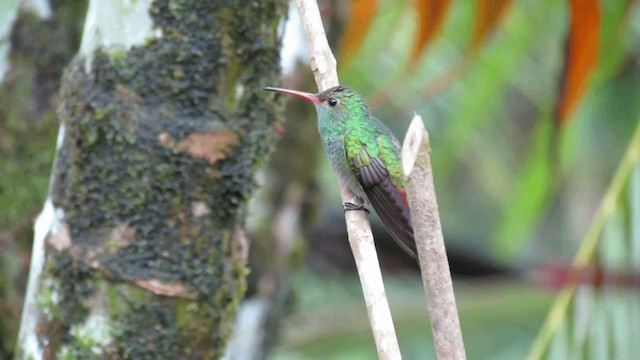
(432, 255)
(323, 65)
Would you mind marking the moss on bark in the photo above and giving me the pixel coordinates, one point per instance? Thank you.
(151, 208)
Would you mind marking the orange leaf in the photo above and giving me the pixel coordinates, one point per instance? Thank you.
(582, 54)
(488, 16)
(360, 19)
(431, 14)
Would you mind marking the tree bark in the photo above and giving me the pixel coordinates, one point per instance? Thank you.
(139, 251)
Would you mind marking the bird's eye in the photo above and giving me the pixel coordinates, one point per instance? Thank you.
(332, 102)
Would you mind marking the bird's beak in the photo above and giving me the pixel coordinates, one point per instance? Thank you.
(301, 94)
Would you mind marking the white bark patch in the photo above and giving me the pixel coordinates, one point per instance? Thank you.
(48, 222)
(116, 23)
(94, 332)
(411, 144)
(60, 138)
(199, 209)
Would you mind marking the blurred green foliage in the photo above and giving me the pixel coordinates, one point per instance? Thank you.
(598, 317)
(511, 183)
(498, 319)
(509, 179)
(25, 161)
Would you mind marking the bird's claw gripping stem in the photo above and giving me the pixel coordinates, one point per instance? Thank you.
(351, 207)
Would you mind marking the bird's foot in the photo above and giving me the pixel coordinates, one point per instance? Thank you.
(351, 206)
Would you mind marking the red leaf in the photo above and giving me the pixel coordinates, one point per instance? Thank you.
(582, 54)
(431, 14)
(488, 16)
(360, 18)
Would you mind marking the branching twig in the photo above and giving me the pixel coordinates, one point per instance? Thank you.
(432, 256)
(323, 65)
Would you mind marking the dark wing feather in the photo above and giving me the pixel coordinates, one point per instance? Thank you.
(388, 202)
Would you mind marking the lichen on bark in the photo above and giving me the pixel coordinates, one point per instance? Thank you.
(151, 209)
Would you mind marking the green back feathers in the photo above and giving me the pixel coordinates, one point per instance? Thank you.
(344, 112)
(364, 142)
(360, 144)
(390, 155)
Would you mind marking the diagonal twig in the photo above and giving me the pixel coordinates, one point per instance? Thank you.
(432, 255)
(323, 65)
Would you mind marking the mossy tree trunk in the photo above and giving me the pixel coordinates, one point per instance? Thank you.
(139, 251)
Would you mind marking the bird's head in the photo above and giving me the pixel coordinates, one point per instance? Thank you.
(339, 103)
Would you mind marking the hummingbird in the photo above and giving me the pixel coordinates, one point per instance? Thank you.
(365, 156)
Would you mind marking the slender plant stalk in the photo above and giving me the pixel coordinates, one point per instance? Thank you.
(432, 255)
(608, 205)
(323, 65)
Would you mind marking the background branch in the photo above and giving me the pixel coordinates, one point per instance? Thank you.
(323, 65)
(432, 255)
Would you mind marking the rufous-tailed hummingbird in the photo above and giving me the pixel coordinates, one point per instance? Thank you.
(366, 157)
